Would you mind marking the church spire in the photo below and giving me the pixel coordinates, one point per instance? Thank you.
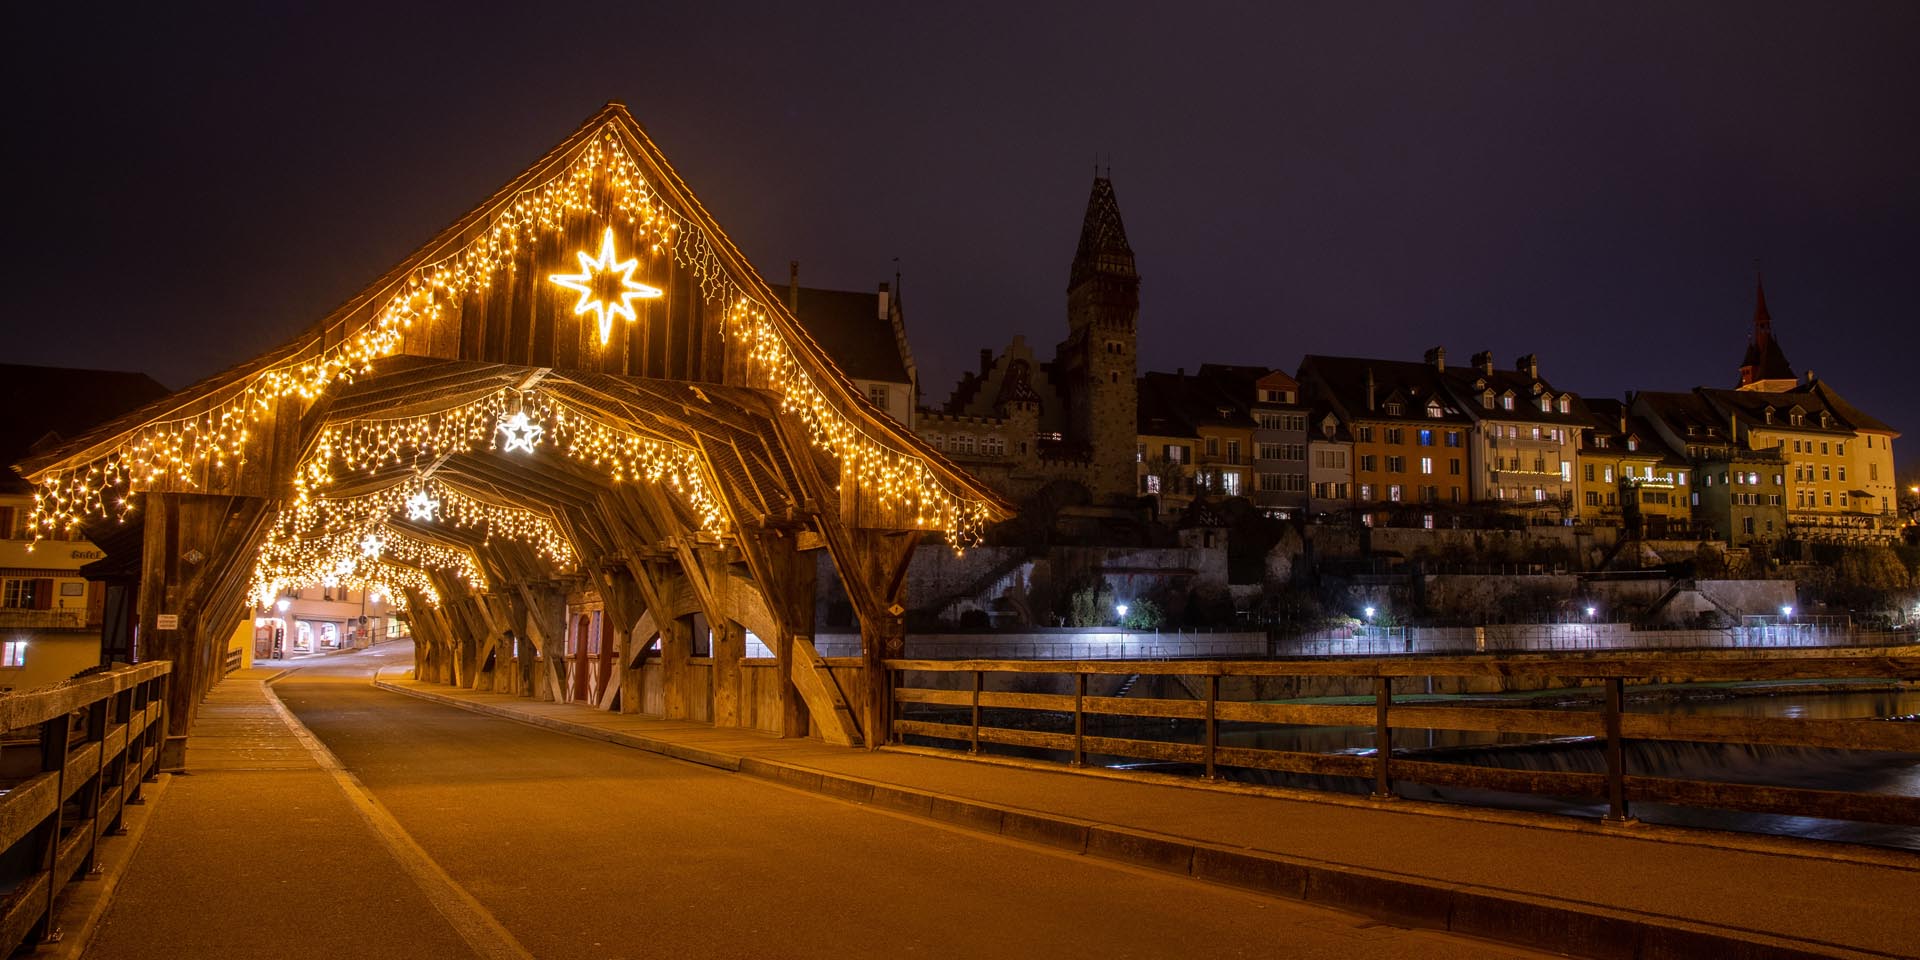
(1765, 367)
(1103, 246)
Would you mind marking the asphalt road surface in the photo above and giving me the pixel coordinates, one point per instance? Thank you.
(575, 848)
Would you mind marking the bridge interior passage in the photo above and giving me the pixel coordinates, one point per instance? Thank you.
(587, 485)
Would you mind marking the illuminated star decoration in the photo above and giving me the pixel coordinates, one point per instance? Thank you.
(520, 433)
(599, 273)
(372, 545)
(422, 506)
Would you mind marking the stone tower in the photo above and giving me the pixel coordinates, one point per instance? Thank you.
(1098, 360)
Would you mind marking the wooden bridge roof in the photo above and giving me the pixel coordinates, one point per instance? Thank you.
(715, 366)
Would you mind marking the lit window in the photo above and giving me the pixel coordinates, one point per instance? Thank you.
(1426, 463)
(1393, 493)
(15, 654)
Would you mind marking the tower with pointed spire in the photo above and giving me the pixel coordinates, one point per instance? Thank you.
(1099, 359)
(1765, 368)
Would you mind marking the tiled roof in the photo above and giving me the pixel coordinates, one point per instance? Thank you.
(851, 327)
(1765, 360)
(1340, 383)
(1103, 247)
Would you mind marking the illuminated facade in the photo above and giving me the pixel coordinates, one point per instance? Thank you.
(1410, 451)
(1629, 478)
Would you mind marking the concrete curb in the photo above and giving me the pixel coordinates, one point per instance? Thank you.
(1505, 916)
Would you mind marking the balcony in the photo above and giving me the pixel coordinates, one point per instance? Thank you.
(43, 619)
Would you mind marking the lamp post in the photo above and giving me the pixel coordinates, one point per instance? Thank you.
(1120, 610)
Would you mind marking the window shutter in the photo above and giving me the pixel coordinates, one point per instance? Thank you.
(43, 594)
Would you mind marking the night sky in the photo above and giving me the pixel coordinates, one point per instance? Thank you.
(1593, 184)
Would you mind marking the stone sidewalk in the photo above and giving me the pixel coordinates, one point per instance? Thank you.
(1537, 880)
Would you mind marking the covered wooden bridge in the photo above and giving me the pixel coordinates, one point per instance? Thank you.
(574, 436)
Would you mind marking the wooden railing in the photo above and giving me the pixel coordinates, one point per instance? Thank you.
(71, 758)
(1610, 725)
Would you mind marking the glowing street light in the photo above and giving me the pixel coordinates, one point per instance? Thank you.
(1786, 611)
(1121, 609)
(1369, 614)
(1591, 611)
(283, 604)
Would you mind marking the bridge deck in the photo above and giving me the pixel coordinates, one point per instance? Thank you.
(518, 842)
(1515, 876)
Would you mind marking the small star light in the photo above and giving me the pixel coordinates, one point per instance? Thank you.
(329, 581)
(520, 432)
(422, 506)
(598, 275)
(371, 545)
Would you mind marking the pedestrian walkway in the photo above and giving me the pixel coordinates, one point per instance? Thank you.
(257, 852)
(1634, 891)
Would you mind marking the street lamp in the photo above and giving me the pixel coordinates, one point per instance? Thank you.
(1786, 611)
(282, 604)
(1591, 611)
(1121, 610)
(1369, 614)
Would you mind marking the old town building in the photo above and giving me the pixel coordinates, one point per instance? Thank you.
(1021, 423)
(1410, 457)
(1525, 436)
(865, 335)
(1630, 478)
(49, 612)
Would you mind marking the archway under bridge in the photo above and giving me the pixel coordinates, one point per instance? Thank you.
(579, 400)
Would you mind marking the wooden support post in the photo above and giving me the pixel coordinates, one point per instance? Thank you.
(1079, 720)
(729, 648)
(676, 648)
(1213, 726)
(1616, 756)
(978, 679)
(1382, 739)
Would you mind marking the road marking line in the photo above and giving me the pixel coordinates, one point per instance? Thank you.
(486, 935)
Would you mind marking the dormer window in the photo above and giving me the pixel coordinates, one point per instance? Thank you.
(1486, 399)
(1599, 443)
(1825, 420)
(1434, 411)
(1633, 444)
(1546, 404)
(1796, 417)
(1690, 429)
(1393, 408)
(1768, 414)
(1564, 405)
(1506, 402)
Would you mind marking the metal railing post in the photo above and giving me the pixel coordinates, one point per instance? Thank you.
(1616, 758)
(977, 677)
(1382, 739)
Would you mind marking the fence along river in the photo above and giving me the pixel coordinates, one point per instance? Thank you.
(1819, 747)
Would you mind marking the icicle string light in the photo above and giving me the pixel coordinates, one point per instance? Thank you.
(368, 445)
(318, 515)
(603, 186)
(291, 562)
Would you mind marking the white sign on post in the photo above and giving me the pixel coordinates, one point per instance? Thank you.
(166, 621)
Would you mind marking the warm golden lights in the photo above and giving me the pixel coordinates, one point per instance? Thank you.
(602, 189)
(600, 288)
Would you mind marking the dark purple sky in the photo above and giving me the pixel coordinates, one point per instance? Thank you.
(1589, 183)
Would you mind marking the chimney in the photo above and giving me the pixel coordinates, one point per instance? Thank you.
(986, 361)
(1438, 357)
(1529, 365)
(1811, 379)
(885, 295)
(793, 287)
(1484, 360)
(1369, 388)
